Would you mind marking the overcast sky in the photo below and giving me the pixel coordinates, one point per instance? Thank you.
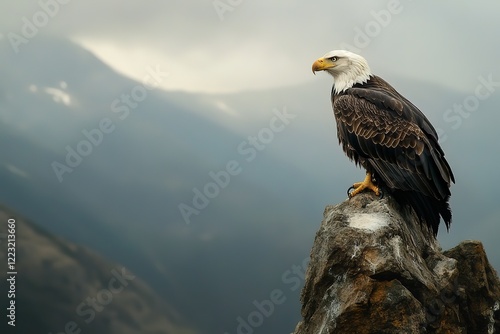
(231, 45)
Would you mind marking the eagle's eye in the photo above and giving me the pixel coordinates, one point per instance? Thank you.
(334, 59)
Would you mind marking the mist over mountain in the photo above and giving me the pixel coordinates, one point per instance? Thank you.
(265, 163)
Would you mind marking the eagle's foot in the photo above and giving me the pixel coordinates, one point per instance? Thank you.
(361, 186)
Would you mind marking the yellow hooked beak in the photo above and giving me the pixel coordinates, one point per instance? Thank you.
(322, 64)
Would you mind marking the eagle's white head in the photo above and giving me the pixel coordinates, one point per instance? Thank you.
(347, 68)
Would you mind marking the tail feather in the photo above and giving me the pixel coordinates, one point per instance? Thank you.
(429, 210)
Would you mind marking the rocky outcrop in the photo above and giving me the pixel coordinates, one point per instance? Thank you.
(375, 269)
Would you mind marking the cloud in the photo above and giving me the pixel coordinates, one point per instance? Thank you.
(259, 44)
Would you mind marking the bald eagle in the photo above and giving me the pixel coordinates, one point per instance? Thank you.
(390, 137)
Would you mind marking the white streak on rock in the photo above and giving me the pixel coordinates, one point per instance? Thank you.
(365, 221)
(491, 325)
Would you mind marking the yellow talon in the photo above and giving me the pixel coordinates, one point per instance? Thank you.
(366, 184)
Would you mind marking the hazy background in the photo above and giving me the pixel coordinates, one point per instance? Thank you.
(228, 69)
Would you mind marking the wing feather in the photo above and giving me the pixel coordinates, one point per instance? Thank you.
(405, 157)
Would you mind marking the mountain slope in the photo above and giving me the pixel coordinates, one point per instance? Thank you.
(60, 283)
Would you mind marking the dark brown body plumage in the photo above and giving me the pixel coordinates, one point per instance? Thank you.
(391, 138)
